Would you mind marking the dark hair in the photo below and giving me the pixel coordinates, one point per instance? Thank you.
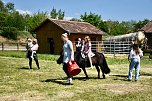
(136, 48)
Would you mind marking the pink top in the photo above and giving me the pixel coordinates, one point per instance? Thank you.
(35, 47)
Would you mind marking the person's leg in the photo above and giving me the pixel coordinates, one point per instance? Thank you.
(89, 56)
(137, 69)
(30, 62)
(36, 60)
(65, 68)
(131, 69)
(32, 54)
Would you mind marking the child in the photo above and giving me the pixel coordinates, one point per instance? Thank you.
(134, 55)
(33, 48)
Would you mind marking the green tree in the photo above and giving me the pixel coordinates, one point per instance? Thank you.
(2, 6)
(140, 24)
(10, 7)
(54, 13)
(91, 18)
(35, 20)
(60, 15)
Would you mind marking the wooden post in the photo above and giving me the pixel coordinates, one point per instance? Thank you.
(17, 46)
(2, 46)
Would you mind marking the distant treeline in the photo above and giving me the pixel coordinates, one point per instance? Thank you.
(12, 23)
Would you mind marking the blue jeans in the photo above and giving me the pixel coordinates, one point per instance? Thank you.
(134, 64)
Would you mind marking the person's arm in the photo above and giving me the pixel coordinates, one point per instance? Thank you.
(72, 50)
(82, 47)
(130, 55)
(140, 53)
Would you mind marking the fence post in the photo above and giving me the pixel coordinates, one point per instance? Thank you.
(2, 46)
(17, 46)
(114, 49)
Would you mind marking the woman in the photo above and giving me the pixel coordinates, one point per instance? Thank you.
(33, 49)
(78, 45)
(68, 54)
(135, 55)
(86, 49)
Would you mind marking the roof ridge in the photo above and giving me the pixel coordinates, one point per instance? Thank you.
(68, 21)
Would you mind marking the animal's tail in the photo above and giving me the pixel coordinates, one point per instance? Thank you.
(105, 65)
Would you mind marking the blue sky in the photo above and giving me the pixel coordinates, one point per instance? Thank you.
(120, 10)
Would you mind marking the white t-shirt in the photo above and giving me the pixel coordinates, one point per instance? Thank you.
(134, 56)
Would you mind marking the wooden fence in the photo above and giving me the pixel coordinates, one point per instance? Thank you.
(12, 46)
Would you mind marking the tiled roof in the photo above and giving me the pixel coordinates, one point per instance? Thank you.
(76, 27)
(147, 27)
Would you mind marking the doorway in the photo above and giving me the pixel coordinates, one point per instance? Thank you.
(51, 44)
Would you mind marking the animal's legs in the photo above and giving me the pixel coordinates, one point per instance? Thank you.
(98, 70)
(102, 72)
(84, 70)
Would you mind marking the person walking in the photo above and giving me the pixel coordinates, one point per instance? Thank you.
(68, 54)
(33, 49)
(135, 55)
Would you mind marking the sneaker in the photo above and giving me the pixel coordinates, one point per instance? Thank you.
(129, 79)
(91, 67)
(69, 81)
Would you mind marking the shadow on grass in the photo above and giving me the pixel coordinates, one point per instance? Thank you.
(26, 68)
(120, 77)
(62, 80)
(84, 78)
(145, 74)
(58, 81)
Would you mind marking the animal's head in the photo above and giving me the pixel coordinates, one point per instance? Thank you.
(140, 37)
(60, 59)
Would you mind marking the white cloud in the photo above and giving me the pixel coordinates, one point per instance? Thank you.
(68, 18)
(24, 12)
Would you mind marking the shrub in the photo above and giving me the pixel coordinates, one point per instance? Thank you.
(9, 32)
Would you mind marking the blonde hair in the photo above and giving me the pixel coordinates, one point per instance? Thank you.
(65, 35)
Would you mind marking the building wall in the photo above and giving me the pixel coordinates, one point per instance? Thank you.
(51, 30)
(149, 42)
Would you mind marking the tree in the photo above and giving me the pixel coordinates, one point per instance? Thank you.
(140, 24)
(91, 18)
(35, 20)
(54, 13)
(10, 7)
(2, 6)
(57, 15)
(60, 15)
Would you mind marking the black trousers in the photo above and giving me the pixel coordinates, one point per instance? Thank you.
(65, 68)
(35, 58)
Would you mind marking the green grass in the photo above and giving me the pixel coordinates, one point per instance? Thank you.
(18, 83)
(22, 54)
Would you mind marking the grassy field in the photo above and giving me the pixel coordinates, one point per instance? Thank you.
(18, 83)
